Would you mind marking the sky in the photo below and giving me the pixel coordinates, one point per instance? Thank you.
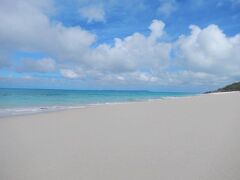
(158, 45)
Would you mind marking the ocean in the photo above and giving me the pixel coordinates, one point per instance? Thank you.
(28, 101)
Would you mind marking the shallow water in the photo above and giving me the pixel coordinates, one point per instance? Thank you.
(23, 101)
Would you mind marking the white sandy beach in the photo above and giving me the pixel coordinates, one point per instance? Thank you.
(192, 138)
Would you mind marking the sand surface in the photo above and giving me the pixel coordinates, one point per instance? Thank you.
(193, 138)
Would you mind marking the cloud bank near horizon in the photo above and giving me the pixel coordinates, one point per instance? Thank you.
(203, 56)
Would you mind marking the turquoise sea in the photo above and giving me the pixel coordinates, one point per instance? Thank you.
(25, 101)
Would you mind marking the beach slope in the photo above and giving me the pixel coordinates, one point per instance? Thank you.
(190, 138)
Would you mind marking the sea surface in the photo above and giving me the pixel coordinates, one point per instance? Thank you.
(28, 101)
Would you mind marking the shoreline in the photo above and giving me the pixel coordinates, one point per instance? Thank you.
(55, 109)
(49, 109)
(107, 104)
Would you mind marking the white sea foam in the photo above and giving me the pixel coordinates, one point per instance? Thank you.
(4, 112)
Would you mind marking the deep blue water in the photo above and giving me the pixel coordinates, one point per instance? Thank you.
(21, 101)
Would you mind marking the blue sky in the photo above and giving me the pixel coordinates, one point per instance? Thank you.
(163, 45)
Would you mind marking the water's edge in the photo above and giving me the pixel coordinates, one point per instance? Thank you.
(16, 102)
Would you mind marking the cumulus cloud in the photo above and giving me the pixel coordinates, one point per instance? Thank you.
(210, 50)
(92, 13)
(26, 27)
(133, 52)
(41, 65)
(157, 29)
(204, 56)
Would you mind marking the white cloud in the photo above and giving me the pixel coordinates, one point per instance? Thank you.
(133, 52)
(204, 56)
(93, 13)
(157, 29)
(210, 50)
(25, 26)
(41, 65)
(68, 73)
